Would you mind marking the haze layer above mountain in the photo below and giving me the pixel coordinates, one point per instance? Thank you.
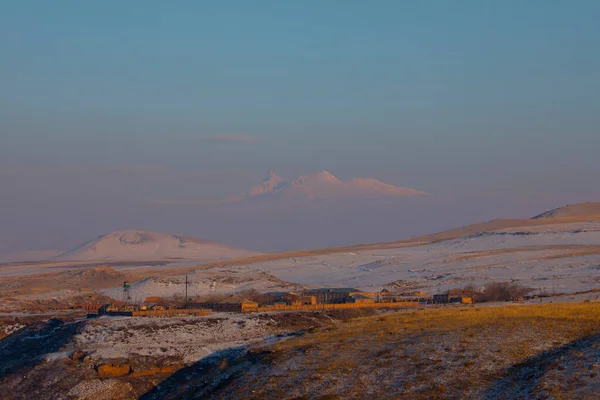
(322, 185)
(143, 245)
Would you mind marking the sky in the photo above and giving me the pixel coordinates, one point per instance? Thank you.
(108, 106)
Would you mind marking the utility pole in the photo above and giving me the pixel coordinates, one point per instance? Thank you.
(186, 288)
(126, 292)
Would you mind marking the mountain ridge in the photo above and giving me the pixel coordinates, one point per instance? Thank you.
(322, 185)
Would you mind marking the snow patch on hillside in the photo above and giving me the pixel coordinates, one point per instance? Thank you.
(520, 255)
(203, 284)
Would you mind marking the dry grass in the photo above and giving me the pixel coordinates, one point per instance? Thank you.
(579, 317)
(578, 252)
(573, 251)
(431, 353)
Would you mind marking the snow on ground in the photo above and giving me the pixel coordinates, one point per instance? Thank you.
(515, 254)
(10, 328)
(528, 255)
(203, 283)
(506, 255)
(189, 338)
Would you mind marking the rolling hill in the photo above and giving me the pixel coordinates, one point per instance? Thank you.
(150, 246)
(582, 212)
(557, 252)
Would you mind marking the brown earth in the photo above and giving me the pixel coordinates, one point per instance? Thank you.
(111, 370)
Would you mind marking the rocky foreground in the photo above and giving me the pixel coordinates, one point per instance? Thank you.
(127, 358)
(534, 351)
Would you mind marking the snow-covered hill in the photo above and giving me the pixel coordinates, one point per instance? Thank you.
(151, 246)
(557, 257)
(546, 258)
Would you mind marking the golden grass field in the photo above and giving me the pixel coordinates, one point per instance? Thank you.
(495, 352)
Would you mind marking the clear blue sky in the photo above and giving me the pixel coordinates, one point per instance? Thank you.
(439, 95)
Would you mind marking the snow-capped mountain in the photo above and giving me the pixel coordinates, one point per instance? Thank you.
(323, 185)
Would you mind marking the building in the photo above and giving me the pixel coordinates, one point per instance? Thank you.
(360, 299)
(441, 298)
(331, 295)
(233, 304)
(452, 298)
(374, 295)
(461, 299)
(308, 300)
(279, 298)
(280, 304)
(417, 293)
(304, 301)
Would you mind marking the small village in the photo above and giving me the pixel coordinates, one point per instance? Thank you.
(309, 300)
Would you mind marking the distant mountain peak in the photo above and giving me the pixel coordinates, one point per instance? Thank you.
(322, 176)
(326, 175)
(267, 186)
(319, 178)
(323, 184)
(272, 175)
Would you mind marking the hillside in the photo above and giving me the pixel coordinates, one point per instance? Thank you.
(578, 213)
(533, 352)
(546, 254)
(582, 212)
(144, 245)
(557, 254)
(590, 210)
(214, 284)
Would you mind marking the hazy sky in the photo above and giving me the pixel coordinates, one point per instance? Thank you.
(106, 105)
